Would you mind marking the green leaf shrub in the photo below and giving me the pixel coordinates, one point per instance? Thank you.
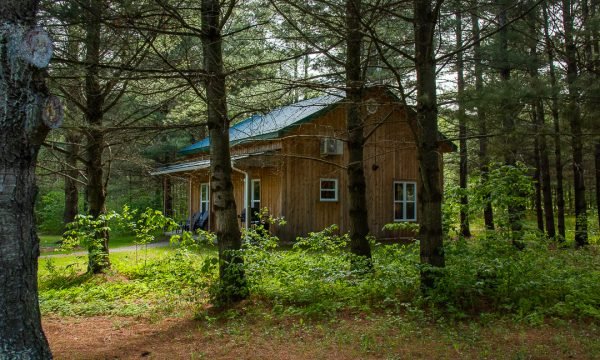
(49, 212)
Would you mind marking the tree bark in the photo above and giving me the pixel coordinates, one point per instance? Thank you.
(359, 225)
(543, 163)
(597, 161)
(462, 131)
(430, 192)
(231, 273)
(488, 212)
(573, 114)
(515, 212)
(545, 172)
(539, 212)
(21, 135)
(98, 257)
(72, 173)
(558, 165)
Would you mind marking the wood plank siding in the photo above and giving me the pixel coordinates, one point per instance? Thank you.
(290, 169)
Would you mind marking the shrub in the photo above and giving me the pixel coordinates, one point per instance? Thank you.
(49, 212)
(490, 275)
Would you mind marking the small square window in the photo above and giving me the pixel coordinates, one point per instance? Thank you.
(405, 201)
(329, 190)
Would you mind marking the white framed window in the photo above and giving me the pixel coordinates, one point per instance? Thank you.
(204, 197)
(328, 190)
(405, 201)
(255, 194)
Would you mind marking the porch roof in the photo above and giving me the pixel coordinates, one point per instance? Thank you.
(272, 125)
(190, 166)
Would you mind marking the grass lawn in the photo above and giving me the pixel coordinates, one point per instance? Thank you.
(49, 242)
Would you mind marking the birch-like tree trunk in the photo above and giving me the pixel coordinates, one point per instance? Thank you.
(23, 94)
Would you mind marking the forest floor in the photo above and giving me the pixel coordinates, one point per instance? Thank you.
(155, 304)
(351, 336)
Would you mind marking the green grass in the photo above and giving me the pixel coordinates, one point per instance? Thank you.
(159, 281)
(50, 242)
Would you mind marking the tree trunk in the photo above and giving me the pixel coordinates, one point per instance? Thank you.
(359, 225)
(595, 33)
(545, 172)
(573, 114)
(21, 134)
(462, 131)
(539, 212)
(231, 272)
(543, 163)
(515, 212)
(560, 196)
(597, 160)
(488, 213)
(98, 259)
(72, 173)
(430, 191)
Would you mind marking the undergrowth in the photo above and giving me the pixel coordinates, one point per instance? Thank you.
(484, 276)
(166, 282)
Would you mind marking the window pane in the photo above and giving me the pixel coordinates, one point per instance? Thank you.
(398, 192)
(410, 192)
(327, 184)
(255, 190)
(204, 192)
(410, 211)
(398, 211)
(328, 194)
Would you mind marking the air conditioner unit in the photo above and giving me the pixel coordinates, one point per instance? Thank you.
(330, 146)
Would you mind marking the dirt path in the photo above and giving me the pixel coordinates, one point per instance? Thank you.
(115, 250)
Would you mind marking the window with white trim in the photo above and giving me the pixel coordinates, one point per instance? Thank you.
(405, 201)
(328, 190)
(204, 197)
(255, 194)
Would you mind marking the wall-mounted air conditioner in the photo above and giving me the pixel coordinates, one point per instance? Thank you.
(331, 146)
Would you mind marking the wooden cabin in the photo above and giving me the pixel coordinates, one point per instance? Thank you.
(293, 161)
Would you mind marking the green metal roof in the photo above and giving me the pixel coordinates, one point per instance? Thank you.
(273, 124)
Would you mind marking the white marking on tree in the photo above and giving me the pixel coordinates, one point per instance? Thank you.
(36, 48)
(52, 112)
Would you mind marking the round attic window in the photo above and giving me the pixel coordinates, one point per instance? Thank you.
(372, 106)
